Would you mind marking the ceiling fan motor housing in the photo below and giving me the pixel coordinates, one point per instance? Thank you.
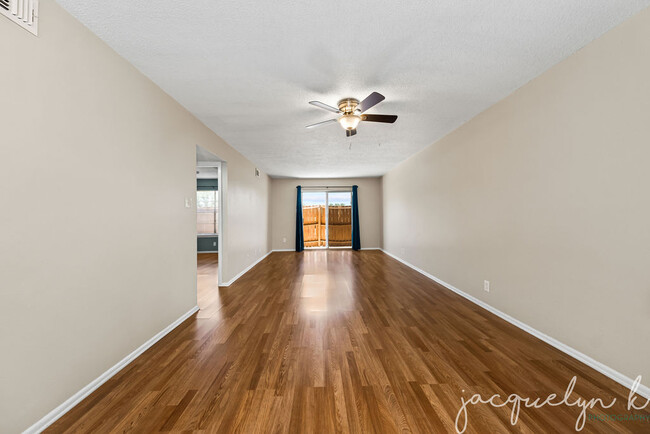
(348, 105)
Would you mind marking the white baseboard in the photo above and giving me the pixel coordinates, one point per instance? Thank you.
(293, 250)
(603, 369)
(244, 271)
(75, 399)
(207, 251)
(66, 406)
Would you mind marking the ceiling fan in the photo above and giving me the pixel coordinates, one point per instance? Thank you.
(351, 111)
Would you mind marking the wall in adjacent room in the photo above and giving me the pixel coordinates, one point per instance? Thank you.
(206, 243)
(283, 209)
(546, 196)
(90, 149)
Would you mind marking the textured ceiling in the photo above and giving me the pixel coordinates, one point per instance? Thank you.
(248, 69)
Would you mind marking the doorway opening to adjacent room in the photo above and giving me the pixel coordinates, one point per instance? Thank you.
(327, 218)
(209, 220)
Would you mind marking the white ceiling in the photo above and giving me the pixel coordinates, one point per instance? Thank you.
(248, 69)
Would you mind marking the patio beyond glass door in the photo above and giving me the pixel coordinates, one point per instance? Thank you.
(339, 219)
(327, 219)
(314, 219)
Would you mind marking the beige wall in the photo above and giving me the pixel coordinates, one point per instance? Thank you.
(282, 205)
(546, 196)
(97, 251)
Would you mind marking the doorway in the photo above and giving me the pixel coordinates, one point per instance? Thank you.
(327, 219)
(209, 200)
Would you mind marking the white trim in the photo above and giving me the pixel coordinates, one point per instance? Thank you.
(371, 248)
(244, 271)
(620, 378)
(282, 250)
(222, 193)
(67, 405)
(207, 251)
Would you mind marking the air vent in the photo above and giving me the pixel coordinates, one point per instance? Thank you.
(22, 12)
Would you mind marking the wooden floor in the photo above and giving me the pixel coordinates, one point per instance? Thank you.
(339, 341)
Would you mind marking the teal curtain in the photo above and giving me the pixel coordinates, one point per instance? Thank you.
(300, 237)
(356, 239)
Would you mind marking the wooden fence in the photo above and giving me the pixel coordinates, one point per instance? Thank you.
(315, 226)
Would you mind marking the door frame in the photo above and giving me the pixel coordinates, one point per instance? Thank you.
(221, 196)
(327, 214)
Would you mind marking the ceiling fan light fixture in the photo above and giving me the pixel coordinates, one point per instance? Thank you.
(351, 112)
(349, 121)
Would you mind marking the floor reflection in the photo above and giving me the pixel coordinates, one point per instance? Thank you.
(326, 282)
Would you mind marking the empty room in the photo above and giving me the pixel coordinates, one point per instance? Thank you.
(325, 216)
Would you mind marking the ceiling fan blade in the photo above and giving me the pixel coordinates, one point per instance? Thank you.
(371, 100)
(325, 106)
(318, 124)
(350, 133)
(387, 119)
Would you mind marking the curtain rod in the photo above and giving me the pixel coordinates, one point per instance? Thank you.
(325, 186)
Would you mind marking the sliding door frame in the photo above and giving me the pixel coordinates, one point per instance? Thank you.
(327, 214)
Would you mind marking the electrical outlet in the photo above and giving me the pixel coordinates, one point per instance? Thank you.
(284, 239)
(486, 285)
(214, 244)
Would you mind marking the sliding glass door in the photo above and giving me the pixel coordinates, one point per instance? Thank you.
(327, 219)
(314, 219)
(339, 218)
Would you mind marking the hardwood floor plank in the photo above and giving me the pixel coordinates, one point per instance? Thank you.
(340, 341)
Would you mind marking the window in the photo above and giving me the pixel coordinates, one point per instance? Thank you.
(327, 218)
(206, 212)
